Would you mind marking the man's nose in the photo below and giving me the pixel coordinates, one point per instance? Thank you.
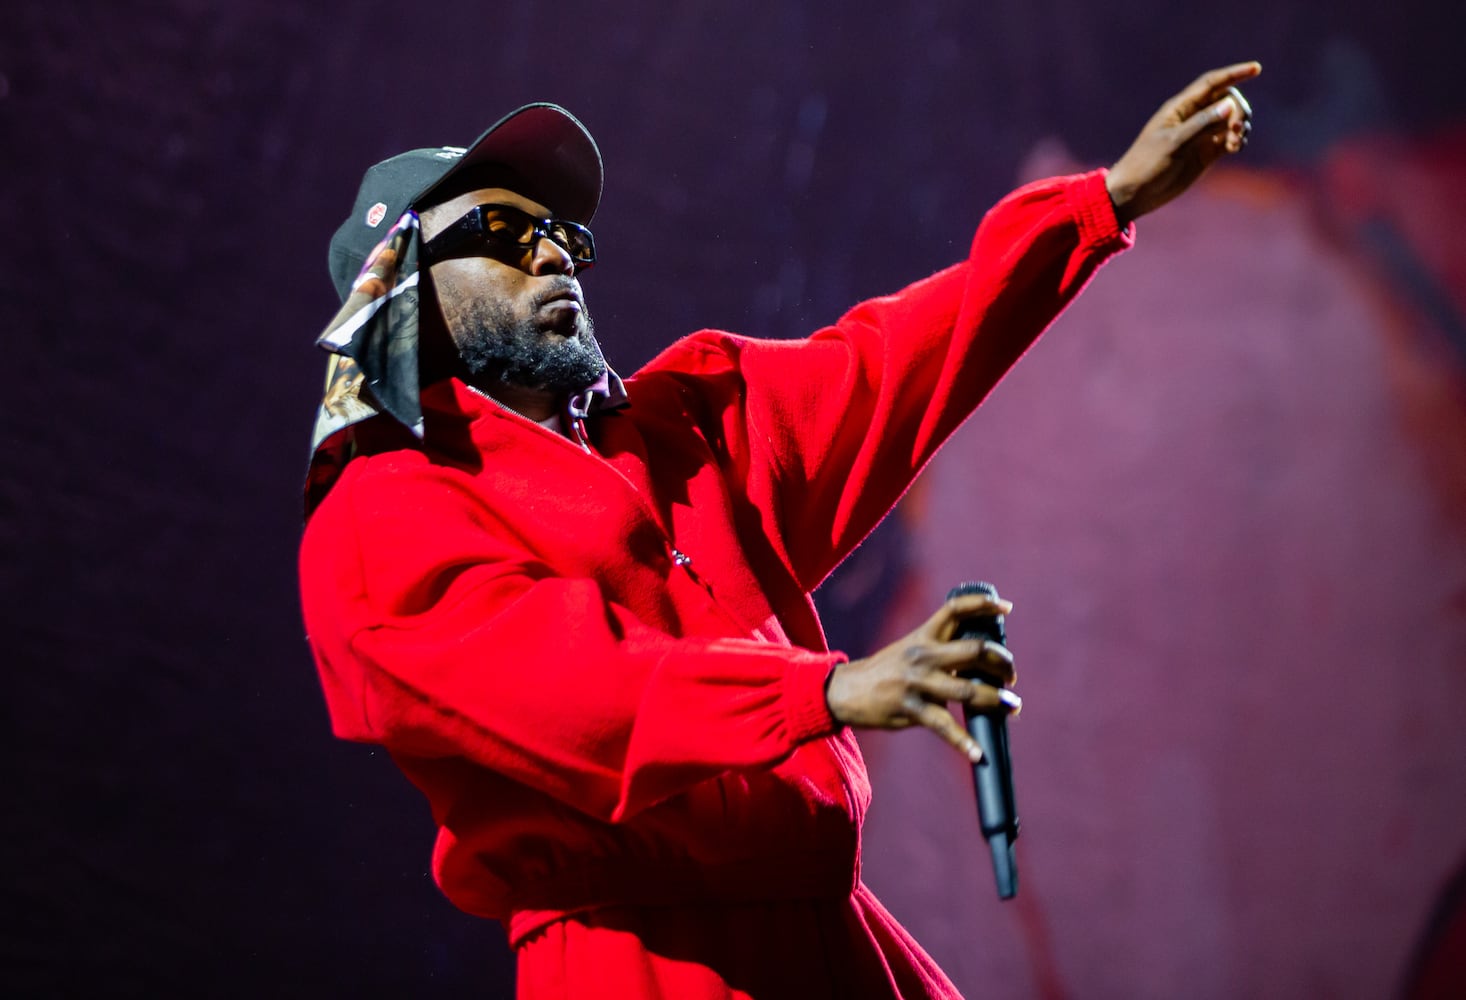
(550, 257)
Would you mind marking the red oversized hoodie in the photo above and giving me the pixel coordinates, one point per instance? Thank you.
(603, 667)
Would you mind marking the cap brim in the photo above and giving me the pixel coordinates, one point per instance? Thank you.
(550, 149)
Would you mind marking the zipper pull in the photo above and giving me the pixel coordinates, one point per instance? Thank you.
(581, 438)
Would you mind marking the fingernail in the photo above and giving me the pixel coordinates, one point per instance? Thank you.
(1225, 107)
(974, 753)
(1005, 606)
(1011, 700)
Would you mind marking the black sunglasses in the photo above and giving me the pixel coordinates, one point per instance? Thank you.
(509, 228)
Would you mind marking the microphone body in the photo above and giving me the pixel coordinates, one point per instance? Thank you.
(992, 777)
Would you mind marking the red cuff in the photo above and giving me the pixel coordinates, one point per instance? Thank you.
(806, 712)
(1095, 211)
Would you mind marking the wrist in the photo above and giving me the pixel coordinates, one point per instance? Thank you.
(1121, 199)
(806, 696)
(832, 693)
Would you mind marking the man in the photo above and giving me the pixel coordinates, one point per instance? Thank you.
(577, 611)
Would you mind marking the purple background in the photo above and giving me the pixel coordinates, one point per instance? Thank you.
(1228, 494)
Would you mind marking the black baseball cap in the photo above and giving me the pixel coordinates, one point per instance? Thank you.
(543, 144)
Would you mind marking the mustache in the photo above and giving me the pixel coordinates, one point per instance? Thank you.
(559, 288)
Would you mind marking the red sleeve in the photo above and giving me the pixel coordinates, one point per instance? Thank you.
(846, 419)
(441, 638)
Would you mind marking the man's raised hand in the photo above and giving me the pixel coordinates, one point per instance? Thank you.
(1190, 132)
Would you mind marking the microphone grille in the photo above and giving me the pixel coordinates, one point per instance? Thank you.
(983, 626)
(973, 587)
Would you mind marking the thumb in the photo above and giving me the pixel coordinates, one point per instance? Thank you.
(1206, 118)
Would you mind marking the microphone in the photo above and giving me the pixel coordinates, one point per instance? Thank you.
(992, 777)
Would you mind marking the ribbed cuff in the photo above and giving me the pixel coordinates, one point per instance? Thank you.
(1092, 206)
(806, 712)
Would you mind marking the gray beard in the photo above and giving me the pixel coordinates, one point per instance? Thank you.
(495, 345)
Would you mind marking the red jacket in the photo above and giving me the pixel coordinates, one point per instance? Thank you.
(603, 666)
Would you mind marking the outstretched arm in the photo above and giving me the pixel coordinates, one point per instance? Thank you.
(910, 682)
(843, 421)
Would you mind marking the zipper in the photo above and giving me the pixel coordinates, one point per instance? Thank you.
(578, 435)
(581, 442)
(577, 426)
(681, 560)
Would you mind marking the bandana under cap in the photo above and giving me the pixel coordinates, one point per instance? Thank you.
(373, 369)
(373, 345)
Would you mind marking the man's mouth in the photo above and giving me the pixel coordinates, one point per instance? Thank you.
(563, 298)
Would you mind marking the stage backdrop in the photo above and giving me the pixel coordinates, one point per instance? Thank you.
(1227, 493)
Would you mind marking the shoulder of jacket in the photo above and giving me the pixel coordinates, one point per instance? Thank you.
(704, 352)
(382, 483)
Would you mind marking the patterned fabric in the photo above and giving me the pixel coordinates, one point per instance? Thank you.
(373, 365)
(373, 368)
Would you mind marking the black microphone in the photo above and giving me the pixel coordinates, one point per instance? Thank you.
(992, 776)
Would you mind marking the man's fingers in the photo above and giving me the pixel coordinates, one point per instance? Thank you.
(974, 694)
(954, 610)
(1220, 113)
(966, 656)
(1228, 120)
(1205, 88)
(1239, 126)
(936, 718)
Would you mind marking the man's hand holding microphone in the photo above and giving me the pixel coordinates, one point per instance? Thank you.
(911, 681)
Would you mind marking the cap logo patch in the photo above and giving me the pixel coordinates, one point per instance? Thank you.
(376, 214)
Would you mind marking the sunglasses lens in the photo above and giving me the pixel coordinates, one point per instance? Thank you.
(509, 226)
(575, 239)
(503, 224)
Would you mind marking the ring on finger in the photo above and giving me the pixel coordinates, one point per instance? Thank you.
(1241, 101)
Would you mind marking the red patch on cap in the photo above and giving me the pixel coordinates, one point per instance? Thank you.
(376, 214)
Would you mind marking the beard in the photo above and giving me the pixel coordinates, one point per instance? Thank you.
(558, 357)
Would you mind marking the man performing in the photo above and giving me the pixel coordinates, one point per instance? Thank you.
(576, 611)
